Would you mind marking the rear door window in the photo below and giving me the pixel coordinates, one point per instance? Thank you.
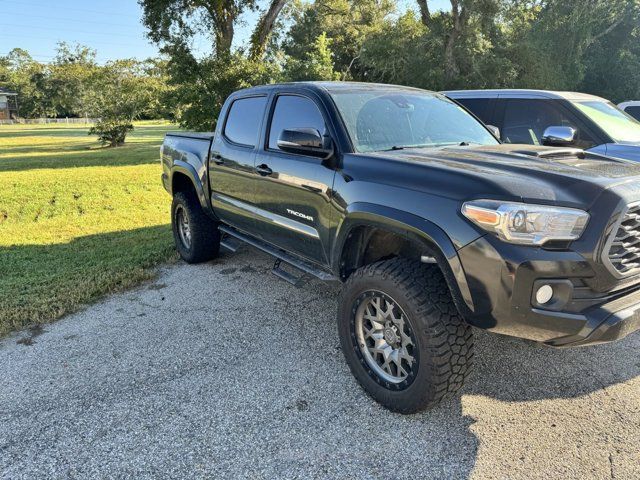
(244, 119)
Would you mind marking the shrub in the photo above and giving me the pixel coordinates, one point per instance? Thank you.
(111, 132)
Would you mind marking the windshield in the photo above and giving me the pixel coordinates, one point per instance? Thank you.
(387, 119)
(617, 124)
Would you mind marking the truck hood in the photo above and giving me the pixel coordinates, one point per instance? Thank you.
(565, 176)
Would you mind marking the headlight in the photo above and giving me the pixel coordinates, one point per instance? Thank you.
(524, 223)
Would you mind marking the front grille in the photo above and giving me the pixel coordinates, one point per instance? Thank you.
(624, 252)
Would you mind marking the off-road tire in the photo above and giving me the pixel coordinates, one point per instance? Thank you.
(204, 233)
(444, 348)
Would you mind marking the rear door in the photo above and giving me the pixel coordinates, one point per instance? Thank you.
(231, 166)
(293, 200)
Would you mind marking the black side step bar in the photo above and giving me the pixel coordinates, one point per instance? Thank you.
(280, 255)
(230, 244)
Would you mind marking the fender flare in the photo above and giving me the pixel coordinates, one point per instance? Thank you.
(185, 168)
(415, 229)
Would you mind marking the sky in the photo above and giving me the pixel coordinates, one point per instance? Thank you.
(111, 27)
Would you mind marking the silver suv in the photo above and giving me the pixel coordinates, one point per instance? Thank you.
(540, 117)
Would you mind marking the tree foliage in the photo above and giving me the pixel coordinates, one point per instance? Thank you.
(122, 91)
(316, 63)
(203, 79)
(584, 45)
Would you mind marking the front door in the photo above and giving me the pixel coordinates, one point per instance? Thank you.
(293, 192)
(231, 166)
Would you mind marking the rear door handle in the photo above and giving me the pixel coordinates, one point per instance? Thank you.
(264, 170)
(217, 158)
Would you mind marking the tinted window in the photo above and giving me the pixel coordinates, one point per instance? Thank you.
(243, 121)
(633, 111)
(294, 112)
(480, 107)
(526, 120)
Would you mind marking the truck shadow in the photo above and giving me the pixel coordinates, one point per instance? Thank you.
(510, 369)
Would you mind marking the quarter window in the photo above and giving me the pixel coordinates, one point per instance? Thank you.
(292, 111)
(243, 120)
(481, 107)
(633, 111)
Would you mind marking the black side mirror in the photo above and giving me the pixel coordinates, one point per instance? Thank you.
(495, 130)
(305, 141)
(559, 136)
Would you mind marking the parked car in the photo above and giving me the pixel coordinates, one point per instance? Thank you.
(632, 108)
(538, 117)
(428, 222)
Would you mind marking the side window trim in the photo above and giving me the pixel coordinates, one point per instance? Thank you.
(272, 109)
(223, 134)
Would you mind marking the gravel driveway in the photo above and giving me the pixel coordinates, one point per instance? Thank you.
(222, 370)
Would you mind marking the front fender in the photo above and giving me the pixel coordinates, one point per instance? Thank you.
(415, 229)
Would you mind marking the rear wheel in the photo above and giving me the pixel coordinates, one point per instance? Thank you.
(402, 335)
(196, 235)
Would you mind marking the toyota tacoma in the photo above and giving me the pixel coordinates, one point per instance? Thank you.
(431, 225)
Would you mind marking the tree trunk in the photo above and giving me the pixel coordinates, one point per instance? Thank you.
(425, 14)
(264, 28)
(459, 17)
(224, 35)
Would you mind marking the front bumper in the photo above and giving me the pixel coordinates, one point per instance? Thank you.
(621, 317)
(502, 279)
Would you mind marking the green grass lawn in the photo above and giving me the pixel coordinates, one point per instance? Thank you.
(76, 220)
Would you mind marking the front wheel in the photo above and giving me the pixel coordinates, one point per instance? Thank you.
(196, 235)
(402, 335)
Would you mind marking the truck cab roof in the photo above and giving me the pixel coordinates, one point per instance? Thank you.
(328, 86)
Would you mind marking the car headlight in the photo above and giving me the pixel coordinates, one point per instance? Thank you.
(524, 223)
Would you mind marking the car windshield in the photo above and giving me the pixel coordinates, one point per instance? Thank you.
(391, 119)
(620, 126)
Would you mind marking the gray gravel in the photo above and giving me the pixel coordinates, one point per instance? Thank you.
(222, 370)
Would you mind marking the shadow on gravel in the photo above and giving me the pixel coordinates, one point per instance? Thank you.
(510, 369)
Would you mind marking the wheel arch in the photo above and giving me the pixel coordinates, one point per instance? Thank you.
(184, 175)
(391, 232)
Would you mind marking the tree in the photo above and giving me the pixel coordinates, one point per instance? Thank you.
(346, 23)
(317, 63)
(564, 35)
(30, 80)
(120, 94)
(201, 87)
(69, 77)
(203, 78)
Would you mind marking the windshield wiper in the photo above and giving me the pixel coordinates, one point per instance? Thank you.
(404, 147)
(429, 145)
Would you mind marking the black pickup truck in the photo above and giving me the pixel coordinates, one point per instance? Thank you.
(431, 225)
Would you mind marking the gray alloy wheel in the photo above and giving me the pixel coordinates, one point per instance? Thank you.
(184, 230)
(402, 335)
(384, 337)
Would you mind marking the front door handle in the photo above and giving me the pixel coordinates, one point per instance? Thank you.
(217, 158)
(264, 170)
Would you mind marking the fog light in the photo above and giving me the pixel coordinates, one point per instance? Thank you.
(544, 294)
